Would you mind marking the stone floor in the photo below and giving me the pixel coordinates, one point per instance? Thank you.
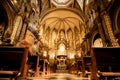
(58, 76)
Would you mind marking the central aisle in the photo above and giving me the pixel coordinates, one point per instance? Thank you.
(59, 76)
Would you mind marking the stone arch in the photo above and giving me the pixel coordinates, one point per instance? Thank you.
(96, 40)
(74, 11)
(7, 18)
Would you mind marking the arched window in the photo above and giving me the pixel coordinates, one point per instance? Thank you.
(61, 49)
(97, 42)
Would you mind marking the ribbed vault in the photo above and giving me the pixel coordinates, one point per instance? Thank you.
(62, 22)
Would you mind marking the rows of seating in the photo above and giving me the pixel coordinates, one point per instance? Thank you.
(15, 62)
(104, 63)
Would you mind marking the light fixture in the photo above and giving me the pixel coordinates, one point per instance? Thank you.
(15, 1)
(109, 0)
(45, 53)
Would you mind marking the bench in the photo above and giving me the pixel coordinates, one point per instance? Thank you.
(33, 62)
(13, 61)
(106, 62)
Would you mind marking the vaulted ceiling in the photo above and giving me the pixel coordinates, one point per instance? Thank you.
(62, 20)
(62, 15)
(69, 16)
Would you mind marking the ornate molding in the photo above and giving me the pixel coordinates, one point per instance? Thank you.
(108, 29)
(59, 41)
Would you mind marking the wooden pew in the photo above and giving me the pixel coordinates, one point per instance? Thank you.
(13, 61)
(105, 62)
(87, 65)
(33, 63)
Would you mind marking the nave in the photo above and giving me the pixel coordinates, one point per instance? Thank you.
(46, 37)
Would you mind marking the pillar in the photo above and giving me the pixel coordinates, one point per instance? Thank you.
(17, 26)
(108, 28)
(24, 28)
(100, 29)
(26, 21)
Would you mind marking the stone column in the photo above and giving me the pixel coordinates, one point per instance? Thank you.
(24, 29)
(108, 28)
(100, 29)
(26, 21)
(87, 46)
(17, 26)
(74, 42)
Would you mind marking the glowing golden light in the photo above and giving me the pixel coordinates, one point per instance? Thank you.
(15, 1)
(98, 43)
(45, 54)
(62, 48)
(71, 56)
(79, 54)
(52, 56)
(61, 1)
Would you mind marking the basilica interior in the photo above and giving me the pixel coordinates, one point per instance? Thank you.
(42, 37)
